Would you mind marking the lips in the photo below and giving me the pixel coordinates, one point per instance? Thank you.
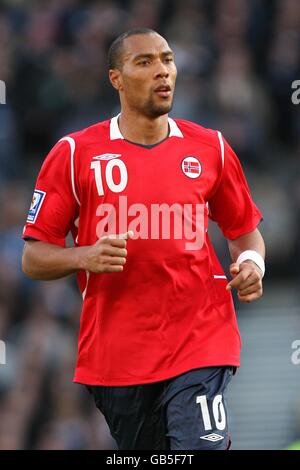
(163, 90)
(163, 87)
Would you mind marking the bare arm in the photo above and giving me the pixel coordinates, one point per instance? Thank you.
(247, 277)
(45, 261)
(249, 241)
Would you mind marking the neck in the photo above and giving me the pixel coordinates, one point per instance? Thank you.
(142, 129)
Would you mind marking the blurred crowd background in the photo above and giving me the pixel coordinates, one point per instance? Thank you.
(236, 63)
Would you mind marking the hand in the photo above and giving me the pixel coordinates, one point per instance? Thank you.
(107, 255)
(247, 279)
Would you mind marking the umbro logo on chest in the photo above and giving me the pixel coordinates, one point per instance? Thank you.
(107, 156)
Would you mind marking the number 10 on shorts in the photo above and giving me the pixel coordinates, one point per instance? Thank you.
(218, 412)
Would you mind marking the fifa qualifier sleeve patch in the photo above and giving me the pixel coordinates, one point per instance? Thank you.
(36, 203)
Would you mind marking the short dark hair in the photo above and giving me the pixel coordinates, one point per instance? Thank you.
(115, 50)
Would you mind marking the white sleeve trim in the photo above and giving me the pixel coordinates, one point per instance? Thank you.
(221, 147)
(72, 149)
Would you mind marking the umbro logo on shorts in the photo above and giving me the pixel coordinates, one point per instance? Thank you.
(212, 437)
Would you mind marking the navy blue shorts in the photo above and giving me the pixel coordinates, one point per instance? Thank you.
(187, 412)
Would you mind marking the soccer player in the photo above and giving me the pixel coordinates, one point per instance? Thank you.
(158, 340)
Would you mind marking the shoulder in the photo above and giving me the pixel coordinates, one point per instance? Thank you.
(196, 131)
(88, 135)
(64, 150)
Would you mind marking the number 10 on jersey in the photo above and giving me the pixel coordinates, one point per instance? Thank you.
(114, 187)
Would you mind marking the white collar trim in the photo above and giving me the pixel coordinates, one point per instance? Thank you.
(174, 129)
(115, 132)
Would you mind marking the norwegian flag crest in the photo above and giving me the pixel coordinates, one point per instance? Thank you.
(191, 167)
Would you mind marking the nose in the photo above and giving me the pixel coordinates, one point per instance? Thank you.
(161, 70)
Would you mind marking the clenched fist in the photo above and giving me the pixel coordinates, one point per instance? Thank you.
(247, 279)
(107, 255)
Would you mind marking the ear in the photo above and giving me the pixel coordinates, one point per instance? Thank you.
(115, 78)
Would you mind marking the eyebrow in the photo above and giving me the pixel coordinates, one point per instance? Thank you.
(150, 56)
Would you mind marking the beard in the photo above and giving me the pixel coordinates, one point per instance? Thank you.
(155, 110)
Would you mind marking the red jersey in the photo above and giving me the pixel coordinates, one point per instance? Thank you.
(168, 311)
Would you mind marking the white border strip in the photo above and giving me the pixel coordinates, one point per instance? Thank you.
(174, 129)
(72, 148)
(86, 286)
(221, 146)
(217, 276)
(115, 132)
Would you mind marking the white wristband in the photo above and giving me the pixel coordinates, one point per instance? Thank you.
(253, 256)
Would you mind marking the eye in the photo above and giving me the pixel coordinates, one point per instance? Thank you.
(144, 62)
